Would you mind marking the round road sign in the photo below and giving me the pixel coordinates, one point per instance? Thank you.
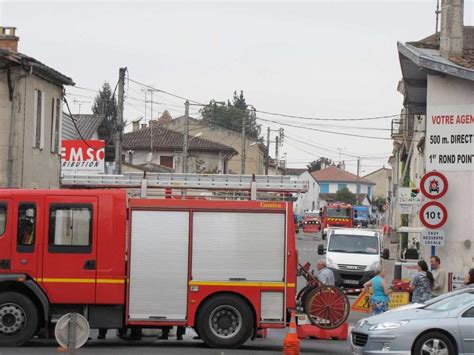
(434, 185)
(433, 215)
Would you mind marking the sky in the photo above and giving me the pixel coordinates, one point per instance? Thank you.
(317, 59)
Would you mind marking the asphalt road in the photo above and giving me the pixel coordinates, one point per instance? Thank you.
(307, 246)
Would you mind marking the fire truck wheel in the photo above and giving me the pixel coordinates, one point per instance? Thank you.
(18, 319)
(225, 321)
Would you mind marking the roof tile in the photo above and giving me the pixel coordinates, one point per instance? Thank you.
(334, 174)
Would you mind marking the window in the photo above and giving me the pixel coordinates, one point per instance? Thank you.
(369, 191)
(3, 218)
(166, 161)
(341, 186)
(39, 120)
(70, 228)
(469, 313)
(55, 124)
(26, 227)
(324, 188)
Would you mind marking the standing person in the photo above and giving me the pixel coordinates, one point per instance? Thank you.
(422, 283)
(469, 279)
(326, 276)
(379, 299)
(439, 275)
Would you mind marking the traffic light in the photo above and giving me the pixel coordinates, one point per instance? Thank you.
(415, 192)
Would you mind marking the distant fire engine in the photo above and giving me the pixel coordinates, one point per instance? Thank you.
(114, 259)
(336, 214)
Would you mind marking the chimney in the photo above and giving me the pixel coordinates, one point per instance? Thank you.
(143, 125)
(452, 28)
(8, 40)
(136, 126)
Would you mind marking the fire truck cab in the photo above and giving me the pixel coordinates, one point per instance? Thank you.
(336, 214)
(226, 268)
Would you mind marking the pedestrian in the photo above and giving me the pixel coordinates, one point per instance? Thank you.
(166, 331)
(326, 275)
(422, 283)
(439, 276)
(469, 279)
(380, 292)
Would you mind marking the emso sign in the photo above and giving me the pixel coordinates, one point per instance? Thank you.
(82, 157)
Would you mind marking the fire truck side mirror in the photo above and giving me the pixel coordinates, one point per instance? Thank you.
(321, 249)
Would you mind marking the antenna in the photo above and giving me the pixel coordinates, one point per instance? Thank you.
(437, 12)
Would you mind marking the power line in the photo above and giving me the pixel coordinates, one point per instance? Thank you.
(328, 119)
(324, 131)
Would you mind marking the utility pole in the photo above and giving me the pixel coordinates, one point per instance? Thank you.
(185, 137)
(267, 158)
(358, 187)
(119, 122)
(277, 143)
(243, 153)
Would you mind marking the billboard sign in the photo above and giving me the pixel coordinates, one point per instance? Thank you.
(450, 138)
(82, 157)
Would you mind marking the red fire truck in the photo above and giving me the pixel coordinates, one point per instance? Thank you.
(311, 222)
(336, 214)
(225, 268)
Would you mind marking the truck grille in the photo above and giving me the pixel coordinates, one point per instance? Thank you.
(348, 267)
(359, 339)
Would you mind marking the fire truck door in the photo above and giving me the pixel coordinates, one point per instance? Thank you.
(158, 265)
(5, 234)
(70, 249)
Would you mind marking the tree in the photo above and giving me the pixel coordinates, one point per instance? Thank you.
(379, 202)
(230, 115)
(105, 103)
(344, 195)
(317, 164)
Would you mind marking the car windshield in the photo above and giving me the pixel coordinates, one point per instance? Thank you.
(453, 302)
(311, 215)
(360, 214)
(338, 212)
(360, 244)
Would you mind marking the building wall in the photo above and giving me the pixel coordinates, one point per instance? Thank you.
(458, 253)
(255, 157)
(27, 160)
(334, 187)
(198, 162)
(310, 199)
(382, 180)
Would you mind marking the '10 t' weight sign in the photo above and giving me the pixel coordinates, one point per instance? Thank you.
(433, 215)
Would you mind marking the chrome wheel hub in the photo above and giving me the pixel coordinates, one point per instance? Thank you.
(434, 347)
(225, 321)
(12, 319)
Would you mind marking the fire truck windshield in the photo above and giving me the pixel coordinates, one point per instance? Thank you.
(338, 212)
(359, 244)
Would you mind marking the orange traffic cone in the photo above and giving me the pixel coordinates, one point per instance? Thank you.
(291, 344)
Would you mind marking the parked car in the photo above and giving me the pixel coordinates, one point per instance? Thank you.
(444, 325)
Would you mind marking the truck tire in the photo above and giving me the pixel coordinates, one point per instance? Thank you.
(225, 321)
(18, 319)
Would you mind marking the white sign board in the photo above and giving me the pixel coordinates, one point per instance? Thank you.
(433, 237)
(449, 144)
(405, 197)
(455, 281)
(405, 209)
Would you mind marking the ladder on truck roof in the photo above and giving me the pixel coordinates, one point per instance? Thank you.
(252, 184)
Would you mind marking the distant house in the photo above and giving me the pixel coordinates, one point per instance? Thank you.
(31, 95)
(308, 201)
(383, 182)
(294, 173)
(254, 151)
(158, 146)
(333, 179)
(84, 127)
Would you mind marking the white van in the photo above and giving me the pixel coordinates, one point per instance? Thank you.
(353, 254)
